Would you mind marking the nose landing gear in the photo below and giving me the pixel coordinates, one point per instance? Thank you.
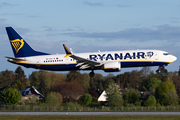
(161, 70)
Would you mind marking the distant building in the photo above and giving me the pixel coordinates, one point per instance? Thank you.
(145, 95)
(30, 95)
(102, 96)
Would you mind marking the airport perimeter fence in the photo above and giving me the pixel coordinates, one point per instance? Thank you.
(27, 108)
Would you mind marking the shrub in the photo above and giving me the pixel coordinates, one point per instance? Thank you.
(158, 105)
(86, 99)
(152, 84)
(53, 99)
(163, 99)
(10, 96)
(151, 101)
(114, 96)
(163, 88)
(131, 96)
(172, 97)
(115, 100)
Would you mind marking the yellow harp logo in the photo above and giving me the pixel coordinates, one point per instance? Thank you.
(17, 44)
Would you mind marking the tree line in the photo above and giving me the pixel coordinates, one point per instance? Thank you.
(77, 88)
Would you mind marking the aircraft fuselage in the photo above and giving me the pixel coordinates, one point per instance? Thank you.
(132, 58)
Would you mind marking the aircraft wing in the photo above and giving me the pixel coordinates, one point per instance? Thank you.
(15, 59)
(83, 62)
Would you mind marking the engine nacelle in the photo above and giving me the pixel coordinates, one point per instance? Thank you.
(112, 67)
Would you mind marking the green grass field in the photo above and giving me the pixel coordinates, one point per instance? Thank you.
(89, 117)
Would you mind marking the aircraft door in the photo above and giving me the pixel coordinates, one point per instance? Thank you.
(156, 56)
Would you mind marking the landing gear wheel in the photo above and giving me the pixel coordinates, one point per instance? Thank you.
(91, 74)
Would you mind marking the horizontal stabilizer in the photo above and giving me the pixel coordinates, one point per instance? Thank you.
(15, 59)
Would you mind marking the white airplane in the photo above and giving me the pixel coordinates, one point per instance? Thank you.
(108, 61)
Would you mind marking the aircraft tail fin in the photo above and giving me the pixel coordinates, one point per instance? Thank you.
(20, 46)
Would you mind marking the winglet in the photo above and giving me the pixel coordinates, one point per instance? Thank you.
(68, 53)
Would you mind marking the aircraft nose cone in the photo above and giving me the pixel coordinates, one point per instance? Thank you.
(173, 58)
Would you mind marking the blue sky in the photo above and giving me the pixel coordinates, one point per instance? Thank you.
(92, 25)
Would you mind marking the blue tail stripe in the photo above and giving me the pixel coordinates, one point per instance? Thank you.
(20, 46)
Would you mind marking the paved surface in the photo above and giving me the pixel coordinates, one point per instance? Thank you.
(91, 113)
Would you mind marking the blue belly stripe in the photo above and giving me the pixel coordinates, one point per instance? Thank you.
(67, 67)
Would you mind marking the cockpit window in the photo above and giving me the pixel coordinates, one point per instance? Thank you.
(166, 54)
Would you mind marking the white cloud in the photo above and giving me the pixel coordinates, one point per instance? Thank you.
(93, 4)
(122, 6)
(4, 4)
(162, 32)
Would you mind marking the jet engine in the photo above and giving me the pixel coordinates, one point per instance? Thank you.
(112, 67)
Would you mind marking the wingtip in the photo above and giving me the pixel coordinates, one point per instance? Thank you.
(68, 53)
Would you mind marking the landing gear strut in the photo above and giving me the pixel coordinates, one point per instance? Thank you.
(91, 74)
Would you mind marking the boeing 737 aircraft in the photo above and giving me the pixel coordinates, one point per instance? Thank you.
(107, 61)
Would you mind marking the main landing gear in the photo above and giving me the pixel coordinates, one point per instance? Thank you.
(91, 74)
